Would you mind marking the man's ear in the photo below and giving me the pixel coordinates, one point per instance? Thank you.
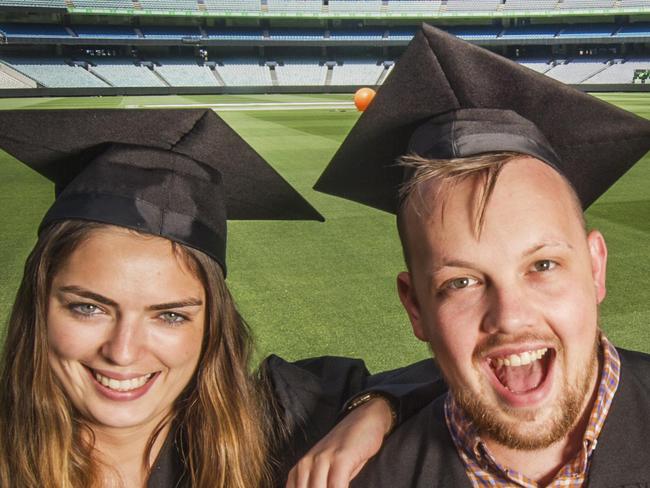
(409, 300)
(598, 252)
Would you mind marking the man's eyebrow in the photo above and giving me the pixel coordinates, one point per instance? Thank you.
(82, 292)
(452, 263)
(188, 302)
(541, 245)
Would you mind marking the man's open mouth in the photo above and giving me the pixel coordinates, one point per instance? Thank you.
(522, 372)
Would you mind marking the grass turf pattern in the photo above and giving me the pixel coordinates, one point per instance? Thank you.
(309, 288)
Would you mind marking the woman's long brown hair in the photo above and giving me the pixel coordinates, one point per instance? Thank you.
(218, 419)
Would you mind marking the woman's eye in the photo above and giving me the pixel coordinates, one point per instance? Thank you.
(173, 318)
(460, 283)
(85, 309)
(544, 265)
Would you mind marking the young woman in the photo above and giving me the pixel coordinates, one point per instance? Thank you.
(126, 362)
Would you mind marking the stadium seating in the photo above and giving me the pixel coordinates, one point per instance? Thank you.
(8, 81)
(104, 32)
(401, 34)
(472, 5)
(355, 6)
(639, 29)
(103, 4)
(301, 72)
(123, 72)
(356, 72)
(295, 35)
(151, 32)
(585, 4)
(578, 70)
(234, 6)
(173, 5)
(587, 30)
(54, 73)
(244, 72)
(59, 4)
(182, 72)
(621, 71)
(234, 34)
(530, 5)
(531, 32)
(294, 6)
(358, 34)
(540, 65)
(34, 31)
(475, 33)
(414, 6)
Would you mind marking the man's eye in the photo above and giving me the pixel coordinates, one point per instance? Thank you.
(85, 309)
(173, 318)
(459, 283)
(544, 265)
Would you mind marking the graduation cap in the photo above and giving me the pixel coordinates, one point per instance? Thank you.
(178, 174)
(447, 98)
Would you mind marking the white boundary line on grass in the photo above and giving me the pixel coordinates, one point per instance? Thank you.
(226, 107)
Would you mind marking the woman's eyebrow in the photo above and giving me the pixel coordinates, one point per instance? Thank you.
(188, 302)
(82, 292)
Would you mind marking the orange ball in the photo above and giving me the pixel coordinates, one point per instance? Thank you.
(363, 97)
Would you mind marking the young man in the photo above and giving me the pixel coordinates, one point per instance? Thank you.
(503, 280)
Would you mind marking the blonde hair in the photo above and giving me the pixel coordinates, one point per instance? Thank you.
(218, 419)
(484, 167)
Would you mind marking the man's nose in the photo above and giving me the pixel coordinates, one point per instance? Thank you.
(124, 342)
(509, 309)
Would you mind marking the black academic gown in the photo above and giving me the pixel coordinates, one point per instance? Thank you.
(311, 395)
(421, 453)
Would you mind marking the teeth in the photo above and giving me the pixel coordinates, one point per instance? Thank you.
(125, 385)
(522, 359)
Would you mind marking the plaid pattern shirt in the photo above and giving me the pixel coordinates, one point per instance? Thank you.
(483, 470)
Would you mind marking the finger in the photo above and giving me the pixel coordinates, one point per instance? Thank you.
(342, 471)
(299, 474)
(320, 470)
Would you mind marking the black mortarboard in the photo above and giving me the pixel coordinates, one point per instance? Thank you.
(447, 98)
(174, 173)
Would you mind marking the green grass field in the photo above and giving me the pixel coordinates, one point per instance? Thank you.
(310, 288)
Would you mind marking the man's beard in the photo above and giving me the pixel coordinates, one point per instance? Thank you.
(506, 425)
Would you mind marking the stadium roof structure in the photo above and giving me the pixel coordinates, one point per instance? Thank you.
(338, 9)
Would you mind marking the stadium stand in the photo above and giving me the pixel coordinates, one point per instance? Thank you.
(295, 34)
(123, 72)
(475, 33)
(528, 5)
(539, 65)
(531, 32)
(639, 29)
(620, 72)
(472, 5)
(181, 72)
(294, 6)
(578, 70)
(104, 32)
(356, 72)
(53, 4)
(301, 72)
(412, 6)
(585, 4)
(587, 30)
(105, 4)
(174, 5)
(355, 6)
(13, 79)
(151, 32)
(358, 34)
(234, 34)
(242, 72)
(232, 6)
(54, 73)
(34, 31)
